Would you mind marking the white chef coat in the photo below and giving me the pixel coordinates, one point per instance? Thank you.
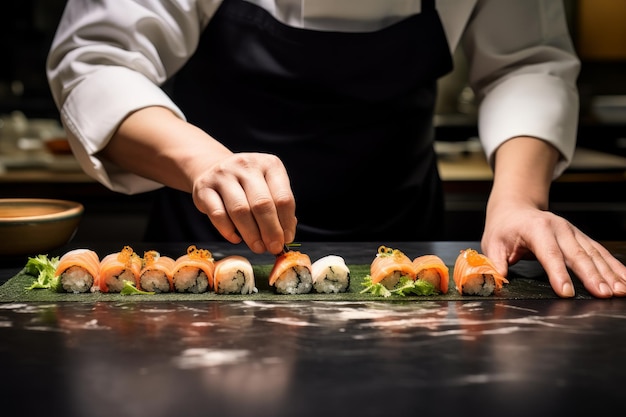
(109, 59)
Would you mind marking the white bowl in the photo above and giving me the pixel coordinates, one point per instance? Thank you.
(32, 226)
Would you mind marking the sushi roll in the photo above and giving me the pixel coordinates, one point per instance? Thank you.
(156, 273)
(291, 273)
(78, 270)
(234, 275)
(115, 268)
(330, 274)
(389, 266)
(193, 272)
(475, 274)
(431, 268)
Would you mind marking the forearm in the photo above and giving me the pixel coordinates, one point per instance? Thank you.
(156, 144)
(523, 171)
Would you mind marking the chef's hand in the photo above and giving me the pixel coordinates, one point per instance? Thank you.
(515, 231)
(518, 225)
(248, 196)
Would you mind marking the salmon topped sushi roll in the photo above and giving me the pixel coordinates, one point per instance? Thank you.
(234, 275)
(78, 270)
(291, 273)
(156, 273)
(193, 272)
(389, 266)
(475, 274)
(330, 274)
(115, 268)
(431, 268)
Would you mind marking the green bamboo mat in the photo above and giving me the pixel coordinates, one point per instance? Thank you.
(14, 290)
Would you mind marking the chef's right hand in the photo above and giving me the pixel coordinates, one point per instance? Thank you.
(247, 196)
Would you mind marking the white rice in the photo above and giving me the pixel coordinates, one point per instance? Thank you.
(154, 281)
(480, 284)
(190, 279)
(391, 281)
(76, 279)
(296, 280)
(115, 283)
(236, 276)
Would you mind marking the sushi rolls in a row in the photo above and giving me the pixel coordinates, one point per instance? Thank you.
(390, 266)
(293, 273)
(474, 273)
(81, 270)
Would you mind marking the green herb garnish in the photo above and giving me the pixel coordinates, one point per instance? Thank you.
(406, 286)
(129, 288)
(43, 268)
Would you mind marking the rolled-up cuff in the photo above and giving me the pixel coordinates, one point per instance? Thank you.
(536, 105)
(93, 112)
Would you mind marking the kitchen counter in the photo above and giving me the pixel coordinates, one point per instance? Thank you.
(515, 357)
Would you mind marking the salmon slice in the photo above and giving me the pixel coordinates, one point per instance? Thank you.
(431, 268)
(193, 272)
(291, 273)
(115, 268)
(234, 275)
(78, 270)
(156, 273)
(475, 274)
(389, 266)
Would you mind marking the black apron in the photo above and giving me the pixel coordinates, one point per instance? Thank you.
(349, 114)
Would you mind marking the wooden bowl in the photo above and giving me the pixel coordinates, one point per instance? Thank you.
(33, 226)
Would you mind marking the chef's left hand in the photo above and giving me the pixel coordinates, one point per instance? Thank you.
(516, 230)
(518, 224)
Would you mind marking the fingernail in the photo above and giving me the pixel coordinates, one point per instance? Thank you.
(619, 288)
(605, 289)
(567, 290)
(258, 247)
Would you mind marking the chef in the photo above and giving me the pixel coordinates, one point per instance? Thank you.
(236, 110)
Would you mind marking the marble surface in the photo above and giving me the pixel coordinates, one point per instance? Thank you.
(315, 358)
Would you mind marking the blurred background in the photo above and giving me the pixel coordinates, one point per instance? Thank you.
(33, 161)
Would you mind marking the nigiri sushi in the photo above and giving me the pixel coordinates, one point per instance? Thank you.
(330, 274)
(234, 275)
(389, 266)
(431, 268)
(156, 273)
(291, 273)
(115, 268)
(193, 272)
(475, 274)
(78, 270)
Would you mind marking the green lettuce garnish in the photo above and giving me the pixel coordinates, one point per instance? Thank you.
(129, 288)
(406, 286)
(43, 268)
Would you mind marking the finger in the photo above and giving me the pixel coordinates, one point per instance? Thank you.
(263, 208)
(209, 202)
(550, 255)
(282, 195)
(612, 270)
(240, 213)
(498, 253)
(590, 263)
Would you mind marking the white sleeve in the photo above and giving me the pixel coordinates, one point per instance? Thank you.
(109, 59)
(523, 69)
